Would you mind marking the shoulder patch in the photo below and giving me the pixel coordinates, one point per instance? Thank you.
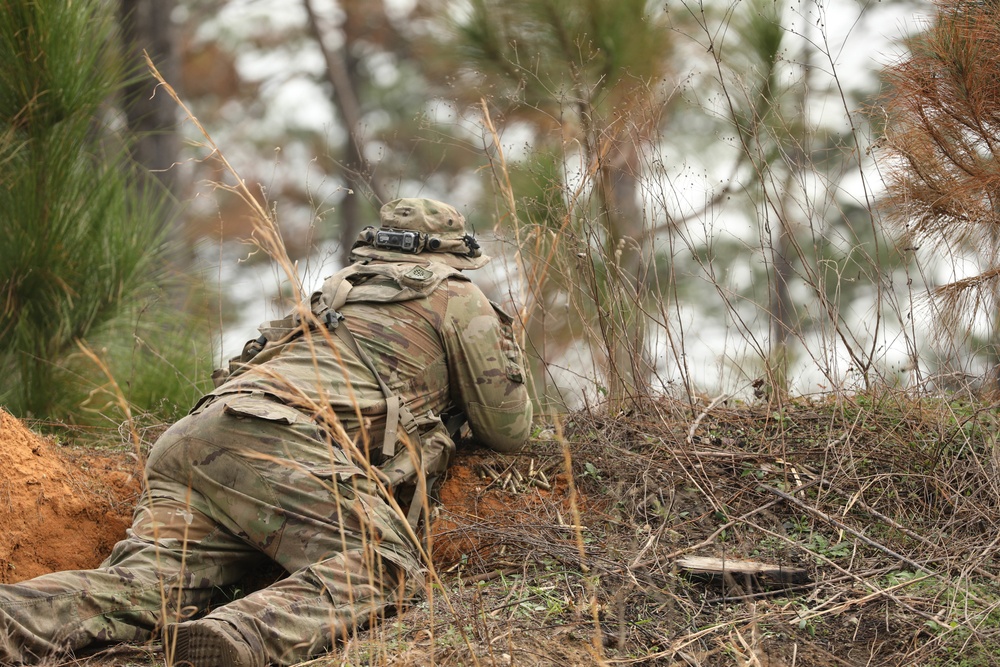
(418, 273)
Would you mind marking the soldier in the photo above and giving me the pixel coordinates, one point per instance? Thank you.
(315, 451)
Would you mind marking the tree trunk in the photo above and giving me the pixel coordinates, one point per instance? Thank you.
(152, 116)
(781, 307)
(342, 74)
(351, 209)
(625, 330)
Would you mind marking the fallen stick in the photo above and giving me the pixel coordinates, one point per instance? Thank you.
(704, 413)
(490, 576)
(777, 574)
(809, 584)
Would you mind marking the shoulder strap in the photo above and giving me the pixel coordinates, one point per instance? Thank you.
(396, 413)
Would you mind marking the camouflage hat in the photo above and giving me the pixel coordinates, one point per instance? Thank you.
(421, 228)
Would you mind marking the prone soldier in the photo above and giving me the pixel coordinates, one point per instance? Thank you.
(315, 451)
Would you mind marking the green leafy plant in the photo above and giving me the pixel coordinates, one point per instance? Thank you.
(590, 470)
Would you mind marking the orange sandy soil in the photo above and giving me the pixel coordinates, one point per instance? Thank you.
(59, 509)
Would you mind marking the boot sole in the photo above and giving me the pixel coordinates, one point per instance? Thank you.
(202, 646)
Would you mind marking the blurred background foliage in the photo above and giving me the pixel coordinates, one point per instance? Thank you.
(681, 196)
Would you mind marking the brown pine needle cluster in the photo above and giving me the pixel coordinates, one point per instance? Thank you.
(942, 138)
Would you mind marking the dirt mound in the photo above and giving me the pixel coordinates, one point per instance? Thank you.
(58, 511)
(482, 503)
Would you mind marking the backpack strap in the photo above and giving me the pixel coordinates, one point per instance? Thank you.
(325, 306)
(406, 282)
(396, 413)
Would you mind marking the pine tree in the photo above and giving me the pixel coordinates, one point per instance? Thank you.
(78, 239)
(941, 153)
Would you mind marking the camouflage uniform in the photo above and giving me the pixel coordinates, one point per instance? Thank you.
(286, 462)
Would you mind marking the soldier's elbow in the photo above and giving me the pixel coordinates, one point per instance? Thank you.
(506, 445)
(503, 428)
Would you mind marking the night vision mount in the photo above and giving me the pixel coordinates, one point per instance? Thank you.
(413, 242)
(398, 241)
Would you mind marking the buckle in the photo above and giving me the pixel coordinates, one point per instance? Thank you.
(331, 319)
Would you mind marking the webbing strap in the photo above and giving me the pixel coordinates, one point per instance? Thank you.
(396, 412)
(417, 502)
(340, 295)
(335, 293)
(392, 405)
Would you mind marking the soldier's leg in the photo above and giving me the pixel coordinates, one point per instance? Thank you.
(320, 518)
(171, 563)
(296, 618)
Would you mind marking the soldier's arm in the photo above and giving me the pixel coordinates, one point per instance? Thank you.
(486, 369)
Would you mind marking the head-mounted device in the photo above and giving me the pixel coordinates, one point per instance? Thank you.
(424, 227)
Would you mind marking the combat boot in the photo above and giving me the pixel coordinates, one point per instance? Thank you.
(209, 643)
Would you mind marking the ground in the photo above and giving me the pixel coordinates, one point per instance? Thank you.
(571, 552)
(59, 509)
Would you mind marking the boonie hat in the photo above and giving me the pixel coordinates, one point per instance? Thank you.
(420, 227)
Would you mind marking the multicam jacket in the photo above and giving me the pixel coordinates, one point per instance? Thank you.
(433, 336)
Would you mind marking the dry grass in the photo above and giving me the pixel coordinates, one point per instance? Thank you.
(888, 502)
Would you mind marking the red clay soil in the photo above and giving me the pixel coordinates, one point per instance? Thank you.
(57, 512)
(475, 513)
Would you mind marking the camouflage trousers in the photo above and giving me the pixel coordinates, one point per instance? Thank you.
(244, 483)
